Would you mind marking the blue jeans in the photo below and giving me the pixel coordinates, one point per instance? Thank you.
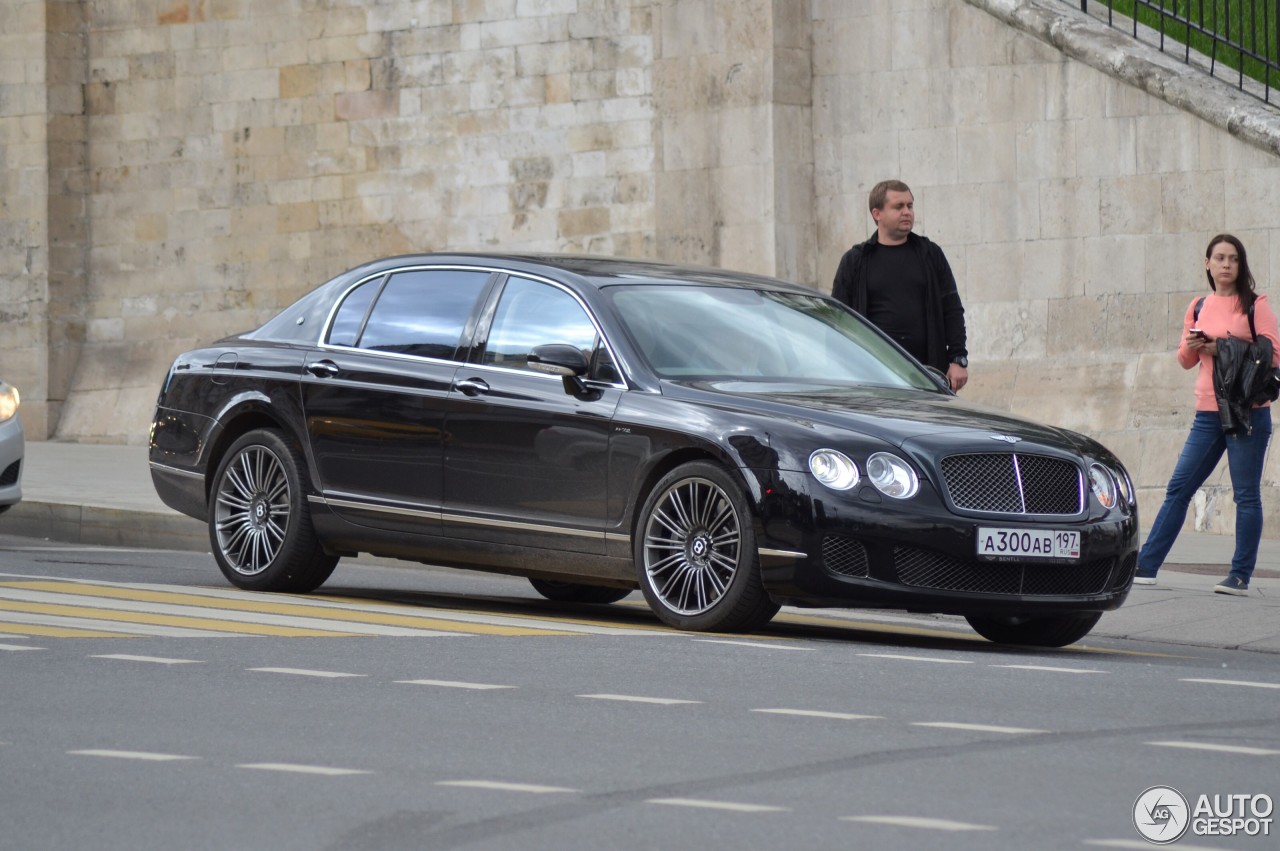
(1203, 450)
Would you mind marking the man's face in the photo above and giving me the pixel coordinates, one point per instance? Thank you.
(895, 218)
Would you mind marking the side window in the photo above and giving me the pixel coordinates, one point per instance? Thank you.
(423, 312)
(531, 313)
(350, 315)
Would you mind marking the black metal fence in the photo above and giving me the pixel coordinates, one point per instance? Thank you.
(1234, 40)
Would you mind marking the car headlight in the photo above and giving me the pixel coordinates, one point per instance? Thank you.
(1125, 484)
(892, 476)
(8, 401)
(1103, 485)
(833, 469)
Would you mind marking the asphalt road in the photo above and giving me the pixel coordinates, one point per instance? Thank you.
(146, 705)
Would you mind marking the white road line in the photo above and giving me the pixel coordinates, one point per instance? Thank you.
(142, 755)
(1234, 683)
(664, 701)
(977, 728)
(1052, 669)
(122, 627)
(505, 787)
(303, 672)
(716, 805)
(916, 658)
(920, 822)
(156, 659)
(327, 771)
(1206, 746)
(16, 647)
(232, 615)
(453, 684)
(815, 713)
(749, 644)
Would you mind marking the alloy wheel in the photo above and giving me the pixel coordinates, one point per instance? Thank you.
(692, 546)
(252, 510)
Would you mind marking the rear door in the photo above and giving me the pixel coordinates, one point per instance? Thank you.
(374, 395)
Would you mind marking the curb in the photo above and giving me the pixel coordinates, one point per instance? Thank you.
(113, 527)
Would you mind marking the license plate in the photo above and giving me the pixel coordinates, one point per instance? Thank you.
(1028, 543)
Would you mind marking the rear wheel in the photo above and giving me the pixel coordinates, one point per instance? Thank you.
(259, 521)
(1035, 631)
(573, 592)
(696, 555)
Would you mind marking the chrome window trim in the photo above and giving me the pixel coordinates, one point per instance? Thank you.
(337, 302)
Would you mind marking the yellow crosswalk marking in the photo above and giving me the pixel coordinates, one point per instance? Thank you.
(168, 620)
(57, 631)
(248, 604)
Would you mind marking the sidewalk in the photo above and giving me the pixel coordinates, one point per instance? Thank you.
(95, 494)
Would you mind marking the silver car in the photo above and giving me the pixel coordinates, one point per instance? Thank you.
(11, 444)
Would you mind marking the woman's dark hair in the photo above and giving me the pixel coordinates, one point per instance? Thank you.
(1245, 286)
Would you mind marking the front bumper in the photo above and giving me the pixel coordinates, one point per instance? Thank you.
(863, 551)
(12, 448)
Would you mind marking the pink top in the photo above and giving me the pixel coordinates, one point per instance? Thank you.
(1221, 317)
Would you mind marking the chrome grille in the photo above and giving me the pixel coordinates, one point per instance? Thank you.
(1010, 483)
(930, 569)
(845, 556)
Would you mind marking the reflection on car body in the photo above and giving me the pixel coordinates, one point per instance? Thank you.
(727, 443)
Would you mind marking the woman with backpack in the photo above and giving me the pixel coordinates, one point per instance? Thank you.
(1233, 311)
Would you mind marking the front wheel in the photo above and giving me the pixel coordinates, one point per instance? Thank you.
(696, 556)
(1035, 631)
(259, 522)
(573, 592)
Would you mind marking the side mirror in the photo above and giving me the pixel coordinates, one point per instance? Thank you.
(558, 359)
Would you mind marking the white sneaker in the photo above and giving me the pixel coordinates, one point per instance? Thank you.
(1144, 580)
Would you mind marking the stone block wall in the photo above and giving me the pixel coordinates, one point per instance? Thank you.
(178, 170)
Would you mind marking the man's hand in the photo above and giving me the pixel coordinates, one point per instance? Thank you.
(957, 376)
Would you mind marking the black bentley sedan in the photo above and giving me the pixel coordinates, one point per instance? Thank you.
(725, 442)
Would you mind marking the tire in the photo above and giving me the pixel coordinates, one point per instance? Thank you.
(1035, 631)
(572, 592)
(259, 522)
(695, 553)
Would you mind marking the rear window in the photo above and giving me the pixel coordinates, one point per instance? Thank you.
(421, 312)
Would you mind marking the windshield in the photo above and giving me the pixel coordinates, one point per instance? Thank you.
(708, 332)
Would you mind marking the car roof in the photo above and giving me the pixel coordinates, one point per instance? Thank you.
(598, 271)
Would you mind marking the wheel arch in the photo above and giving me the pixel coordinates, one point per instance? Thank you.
(249, 416)
(686, 455)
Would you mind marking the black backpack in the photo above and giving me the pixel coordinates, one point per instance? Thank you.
(1267, 387)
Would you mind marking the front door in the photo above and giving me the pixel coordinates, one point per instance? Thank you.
(527, 460)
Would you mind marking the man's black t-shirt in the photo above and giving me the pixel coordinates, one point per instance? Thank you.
(896, 287)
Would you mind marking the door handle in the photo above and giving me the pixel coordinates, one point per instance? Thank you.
(471, 386)
(323, 369)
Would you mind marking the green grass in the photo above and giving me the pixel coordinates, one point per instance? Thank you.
(1250, 25)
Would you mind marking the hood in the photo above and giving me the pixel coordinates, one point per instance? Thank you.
(896, 415)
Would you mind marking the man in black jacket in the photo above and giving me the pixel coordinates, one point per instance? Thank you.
(902, 283)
